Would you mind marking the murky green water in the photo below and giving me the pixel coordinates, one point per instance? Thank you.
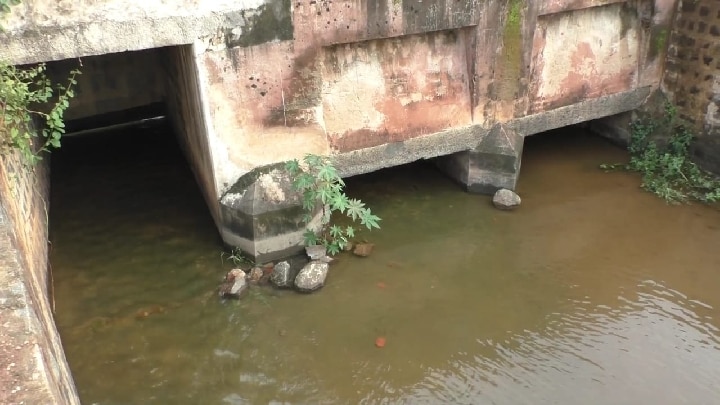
(593, 292)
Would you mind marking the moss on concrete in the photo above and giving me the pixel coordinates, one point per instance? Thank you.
(269, 22)
(658, 41)
(510, 64)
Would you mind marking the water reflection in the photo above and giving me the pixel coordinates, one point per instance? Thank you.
(593, 292)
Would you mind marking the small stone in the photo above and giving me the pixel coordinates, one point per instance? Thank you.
(282, 276)
(234, 285)
(505, 199)
(363, 249)
(311, 277)
(316, 252)
(255, 275)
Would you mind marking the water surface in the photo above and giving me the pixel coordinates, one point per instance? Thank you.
(592, 292)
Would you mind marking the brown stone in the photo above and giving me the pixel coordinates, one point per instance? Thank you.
(363, 249)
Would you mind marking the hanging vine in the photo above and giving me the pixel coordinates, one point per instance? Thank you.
(31, 106)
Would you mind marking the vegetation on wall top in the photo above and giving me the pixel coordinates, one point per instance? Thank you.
(31, 106)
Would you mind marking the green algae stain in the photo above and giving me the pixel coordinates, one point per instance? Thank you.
(508, 79)
(269, 22)
(658, 41)
(513, 19)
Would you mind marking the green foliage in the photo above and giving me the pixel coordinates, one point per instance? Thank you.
(28, 96)
(6, 4)
(319, 184)
(237, 258)
(667, 170)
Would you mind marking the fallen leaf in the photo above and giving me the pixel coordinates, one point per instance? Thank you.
(381, 285)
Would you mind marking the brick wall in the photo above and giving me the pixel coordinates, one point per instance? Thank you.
(692, 75)
(31, 354)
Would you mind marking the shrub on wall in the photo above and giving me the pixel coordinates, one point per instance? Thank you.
(30, 100)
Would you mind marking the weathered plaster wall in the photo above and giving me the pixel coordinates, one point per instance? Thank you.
(188, 115)
(112, 82)
(374, 83)
(380, 91)
(692, 77)
(343, 76)
(33, 369)
(280, 78)
(585, 54)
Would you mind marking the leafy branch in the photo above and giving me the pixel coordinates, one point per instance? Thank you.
(29, 100)
(320, 185)
(28, 96)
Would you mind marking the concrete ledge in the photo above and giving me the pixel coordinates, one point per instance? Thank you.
(29, 373)
(581, 112)
(467, 138)
(40, 31)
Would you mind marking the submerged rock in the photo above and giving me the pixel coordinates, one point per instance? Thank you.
(282, 275)
(312, 276)
(363, 249)
(505, 199)
(235, 284)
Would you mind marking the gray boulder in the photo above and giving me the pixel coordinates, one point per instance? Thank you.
(311, 277)
(505, 199)
(282, 275)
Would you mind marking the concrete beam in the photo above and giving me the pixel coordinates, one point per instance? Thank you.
(469, 137)
(492, 165)
(41, 30)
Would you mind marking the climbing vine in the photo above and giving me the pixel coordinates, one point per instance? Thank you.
(28, 97)
(30, 100)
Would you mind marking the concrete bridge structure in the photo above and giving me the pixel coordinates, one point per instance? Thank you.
(250, 84)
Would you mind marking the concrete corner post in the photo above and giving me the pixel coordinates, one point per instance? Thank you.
(263, 215)
(492, 165)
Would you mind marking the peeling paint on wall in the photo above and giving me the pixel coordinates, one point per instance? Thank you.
(584, 54)
(349, 99)
(390, 90)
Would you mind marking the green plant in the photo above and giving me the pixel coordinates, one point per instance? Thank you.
(666, 169)
(5, 7)
(317, 180)
(27, 96)
(237, 257)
